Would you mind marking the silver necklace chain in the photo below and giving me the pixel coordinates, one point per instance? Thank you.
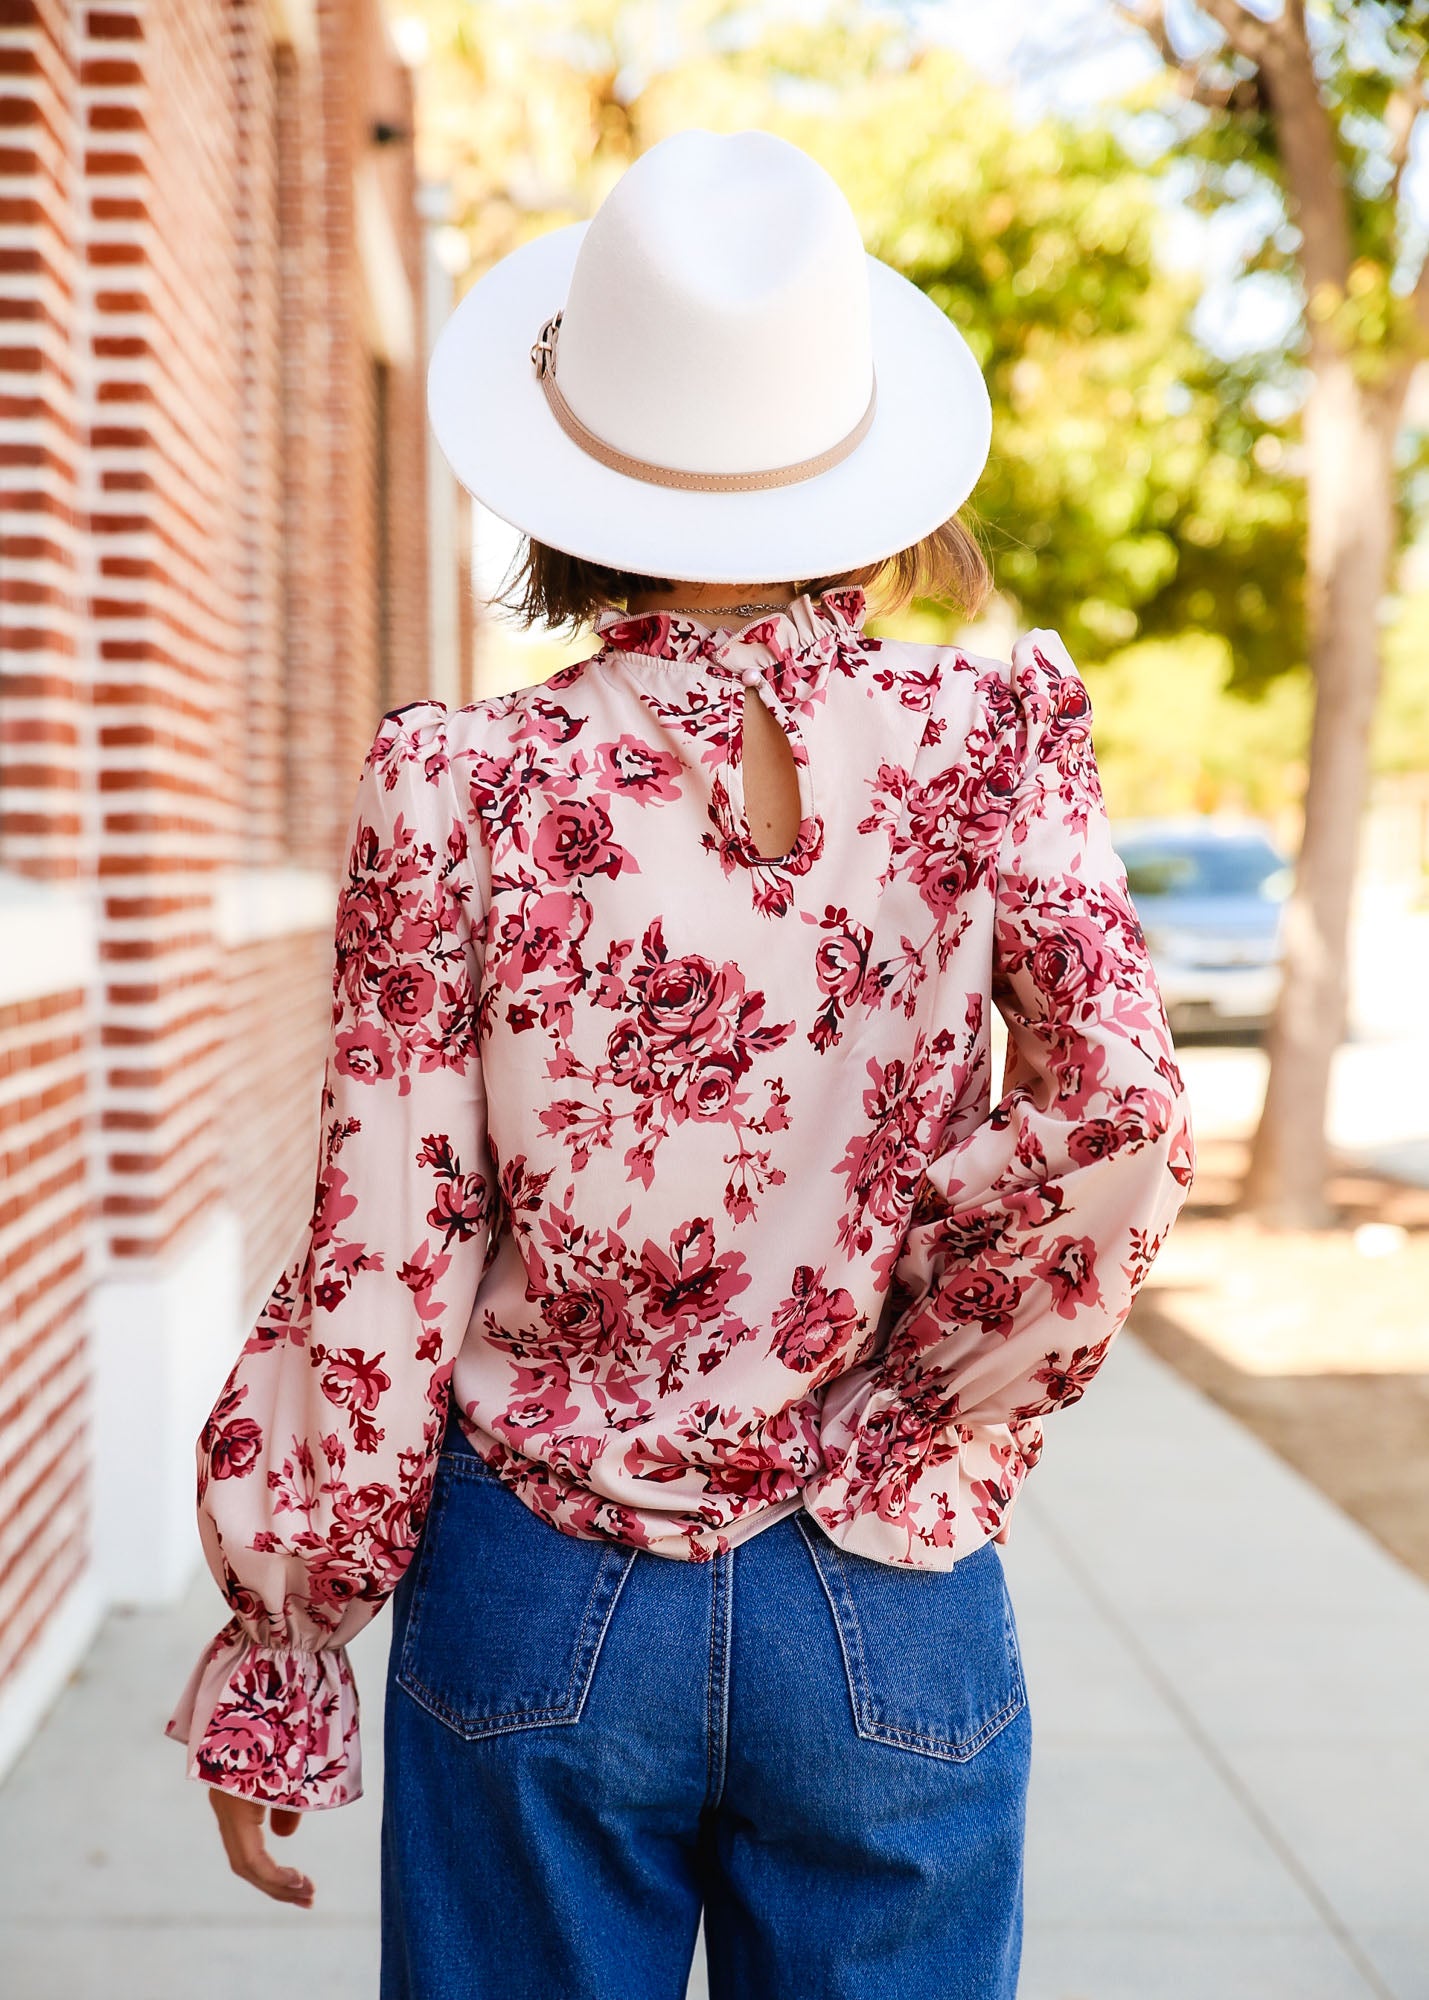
(716, 611)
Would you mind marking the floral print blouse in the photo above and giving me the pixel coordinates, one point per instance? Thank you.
(678, 1168)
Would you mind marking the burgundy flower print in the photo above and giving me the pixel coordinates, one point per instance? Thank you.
(280, 1734)
(687, 1036)
(637, 771)
(1065, 1380)
(1070, 1275)
(984, 1297)
(462, 1207)
(230, 1442)
(841, 967)
(678, 1175)
(591, 1319)
(574, 838)
(354, 1383)
(815, 1321)
(365, 1054)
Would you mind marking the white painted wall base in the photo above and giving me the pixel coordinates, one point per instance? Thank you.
(163, 1341)
(46, 939)
(30, 1692)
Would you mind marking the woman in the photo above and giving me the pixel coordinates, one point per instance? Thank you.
(677, 1318)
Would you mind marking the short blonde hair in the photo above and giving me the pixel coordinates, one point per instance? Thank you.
(553, 589)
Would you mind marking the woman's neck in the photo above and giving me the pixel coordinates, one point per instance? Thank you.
(710, 598)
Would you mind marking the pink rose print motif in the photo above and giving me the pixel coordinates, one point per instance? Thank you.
(985, 1298)
(814, 1323)
(230, 1443)
(574, 838)
(356, 1383)
(691, 1285)
(462, 1207)
(944, 834)
(1011, 1232)
(906, 1105)
(282, 1733)
(993, 1495)
(903, 1439)
(625, 1320)
(1065, 1380)
(548, 808)
(637, 771)
(841, 967)
(687, 1037)
(365, 1054)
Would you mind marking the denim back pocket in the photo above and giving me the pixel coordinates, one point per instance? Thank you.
(931, 1655)
(507, 1613)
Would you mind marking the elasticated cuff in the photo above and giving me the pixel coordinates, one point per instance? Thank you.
(275, 1725)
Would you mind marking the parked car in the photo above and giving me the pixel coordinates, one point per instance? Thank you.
(1210, 895)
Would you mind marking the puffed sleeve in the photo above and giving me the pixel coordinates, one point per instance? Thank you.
(316, 1463)
(1035, 1228)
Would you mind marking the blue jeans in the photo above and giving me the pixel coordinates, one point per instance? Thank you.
(587, 1744)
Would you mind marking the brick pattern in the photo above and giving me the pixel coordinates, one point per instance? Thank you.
(275, 1018)
(207, 477)
(42, 697)
(167, 467)
(44, 1043)
(44, 1082)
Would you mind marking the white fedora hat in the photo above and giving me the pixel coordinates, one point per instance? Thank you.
(711, 379)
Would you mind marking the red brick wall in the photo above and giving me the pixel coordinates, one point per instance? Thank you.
(166, 467)
(193, 654)
(44, 1042)
(275, 1022)
(42, 695)
(43, 1276)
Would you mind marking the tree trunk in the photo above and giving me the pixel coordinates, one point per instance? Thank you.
(1349, 441)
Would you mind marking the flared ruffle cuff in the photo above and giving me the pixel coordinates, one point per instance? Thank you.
(277, 1726)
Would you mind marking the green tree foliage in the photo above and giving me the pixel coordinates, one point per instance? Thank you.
(1131, 492)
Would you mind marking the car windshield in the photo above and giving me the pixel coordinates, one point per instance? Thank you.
(1228, 867)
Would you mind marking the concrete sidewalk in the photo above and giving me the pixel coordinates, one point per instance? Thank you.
(1231, 1790)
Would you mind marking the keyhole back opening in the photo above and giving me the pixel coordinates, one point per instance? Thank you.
(769, 779)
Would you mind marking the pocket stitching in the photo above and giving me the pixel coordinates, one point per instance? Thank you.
(472, 1730)
(860, 1694)
(503, 1723)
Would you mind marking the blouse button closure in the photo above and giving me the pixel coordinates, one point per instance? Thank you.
(752, 677)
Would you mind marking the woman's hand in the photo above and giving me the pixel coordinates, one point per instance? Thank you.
(240, 1821)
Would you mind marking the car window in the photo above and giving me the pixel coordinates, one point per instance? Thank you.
(1232, 867)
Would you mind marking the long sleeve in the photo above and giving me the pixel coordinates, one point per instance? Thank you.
(316, 1463)
(1034, 1229)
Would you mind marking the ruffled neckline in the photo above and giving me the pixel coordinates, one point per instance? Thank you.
(778, 638)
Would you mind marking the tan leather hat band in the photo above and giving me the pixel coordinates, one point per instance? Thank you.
(543, 359)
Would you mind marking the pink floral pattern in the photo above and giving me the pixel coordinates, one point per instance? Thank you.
(680, 1168)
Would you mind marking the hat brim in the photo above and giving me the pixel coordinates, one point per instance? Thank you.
(917, 464)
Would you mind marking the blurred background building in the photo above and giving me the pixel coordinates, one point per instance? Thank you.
(215, 574)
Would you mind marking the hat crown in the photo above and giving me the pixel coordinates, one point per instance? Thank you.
(718, 316)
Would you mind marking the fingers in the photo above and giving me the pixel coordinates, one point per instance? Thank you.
(240, 1823)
